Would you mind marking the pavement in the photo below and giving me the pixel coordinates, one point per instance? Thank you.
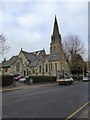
(86, 112)
(20, 86)
(83, 114)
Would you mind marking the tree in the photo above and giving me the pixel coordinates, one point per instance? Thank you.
(73, 45)
(74, 50)
(3, 46)
(77, 64)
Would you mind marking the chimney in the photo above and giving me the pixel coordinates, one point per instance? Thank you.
(4, 59)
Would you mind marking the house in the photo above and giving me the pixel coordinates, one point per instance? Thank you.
(38, 62)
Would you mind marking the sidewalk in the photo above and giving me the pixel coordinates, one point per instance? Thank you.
(85, 113)
(20, 86)
(25, 86)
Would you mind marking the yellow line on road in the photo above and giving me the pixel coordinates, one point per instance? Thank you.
(77, 111)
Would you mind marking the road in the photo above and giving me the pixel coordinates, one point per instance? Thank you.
(58, 101)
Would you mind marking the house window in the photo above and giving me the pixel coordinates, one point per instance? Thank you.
(40, 68)
(6, 69)
(46, 68)
(18, 67)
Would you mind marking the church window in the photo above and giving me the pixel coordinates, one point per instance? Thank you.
(33, 70)
(46, 68)
(21, 60)
(40, 68)
(51, 66)
(17, 67)
(55, 66)
(6, 69)
(29, 72)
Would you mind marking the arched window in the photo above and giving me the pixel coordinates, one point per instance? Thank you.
(46, 68)
(55, 66)
(54, 47)
(40, 68)
(33, 70)
(51, 66)
(17, 67)
(21, 60)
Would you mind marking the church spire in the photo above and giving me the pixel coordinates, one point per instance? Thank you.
(55, 29)
(55, 46)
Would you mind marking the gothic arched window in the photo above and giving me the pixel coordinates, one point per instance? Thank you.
(46, 68)
(55, 66)
(51, 66)
(17, 67)
(40, 68)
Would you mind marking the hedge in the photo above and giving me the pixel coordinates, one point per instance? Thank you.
(42, 79)
(7, 80)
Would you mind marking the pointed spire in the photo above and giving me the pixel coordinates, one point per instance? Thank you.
(55, 29)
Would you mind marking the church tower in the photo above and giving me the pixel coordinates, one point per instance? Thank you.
(56, 45)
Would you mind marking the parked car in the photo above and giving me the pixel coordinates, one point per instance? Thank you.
(23, 79)
(17, 77)
(86, 79)
(66, 81)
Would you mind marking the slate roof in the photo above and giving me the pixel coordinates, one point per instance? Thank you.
(33, 55)
(29, 56)
(33, 63)
(8, 63)
(34, 58)
(53, 57)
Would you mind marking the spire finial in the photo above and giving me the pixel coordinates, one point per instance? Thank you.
(55, 29)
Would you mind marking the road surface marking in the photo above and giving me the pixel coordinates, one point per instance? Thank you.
(77, 111)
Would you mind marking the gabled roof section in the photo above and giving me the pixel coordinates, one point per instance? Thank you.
(53, 57)
(39, 53)
(38, 61)
(8, 63)
(33, 63)
(30, 56)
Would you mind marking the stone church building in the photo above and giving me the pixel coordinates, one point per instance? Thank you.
(38, 62)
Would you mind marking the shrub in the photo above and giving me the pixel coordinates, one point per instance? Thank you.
(7, 80)
(42, 79)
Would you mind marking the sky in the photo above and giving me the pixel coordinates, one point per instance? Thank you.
(28, 24)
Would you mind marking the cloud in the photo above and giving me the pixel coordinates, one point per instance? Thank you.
(30, 24)
(29, 20)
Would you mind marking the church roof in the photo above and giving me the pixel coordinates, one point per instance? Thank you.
(33, 63)
(8, 63)
(53, 57)
(30, 56)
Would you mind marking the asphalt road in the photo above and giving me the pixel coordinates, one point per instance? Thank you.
(44, 102)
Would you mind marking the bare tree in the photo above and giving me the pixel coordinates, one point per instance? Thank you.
(3, 46)
(73, 45)
(74, 50)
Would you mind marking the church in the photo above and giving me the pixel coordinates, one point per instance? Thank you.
(39, 63)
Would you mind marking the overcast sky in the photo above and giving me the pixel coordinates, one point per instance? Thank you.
(29, 25)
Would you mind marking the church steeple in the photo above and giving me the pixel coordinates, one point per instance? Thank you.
(55, 29)
(55, 46)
